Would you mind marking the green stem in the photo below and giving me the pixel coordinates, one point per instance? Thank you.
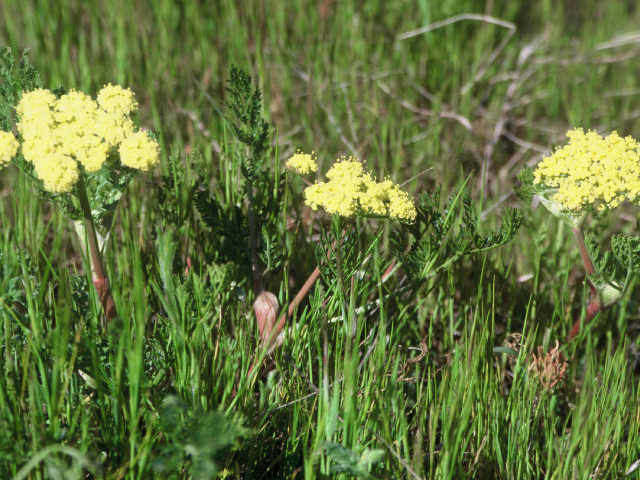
(100, 280)
(8, 363)
(255, 267)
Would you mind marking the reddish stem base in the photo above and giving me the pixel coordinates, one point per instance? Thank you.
(101, 285)
(592, 309)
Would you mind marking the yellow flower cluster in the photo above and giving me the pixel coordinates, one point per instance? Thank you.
(60, 134)
(302, 163)
(117, 100)
(592, 170)
(8, 147)
(139, 151)
(353, 191)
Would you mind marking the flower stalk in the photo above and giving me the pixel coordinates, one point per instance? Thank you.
(595, 305)
(269, 336)
(593, 308)
(586, 259)
(98, 275)
(604, 293)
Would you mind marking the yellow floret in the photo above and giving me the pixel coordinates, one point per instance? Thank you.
(91, 151)
(117, 100)
(36, 147)
(592, 171)
(58, 172)
(30, 128)
(8, 147)
(352, 191)
(75, 107)
(139, 151)
(347, 169)
(35, 112)
(375, 198)
(332, 198)
(401, 206)
(34, 103)
(113, 128)
(302, 163)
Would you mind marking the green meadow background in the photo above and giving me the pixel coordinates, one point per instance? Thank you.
(430, 93)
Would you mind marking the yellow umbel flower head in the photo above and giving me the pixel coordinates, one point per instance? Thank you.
(592, 171)
(60, 135)
(8, 147)
(351, 191)
(302, 163)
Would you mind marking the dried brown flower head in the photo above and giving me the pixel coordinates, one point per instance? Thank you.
(549, 368)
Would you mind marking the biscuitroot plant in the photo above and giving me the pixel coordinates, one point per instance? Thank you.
(592, 173)
(351, 191)
(439, 233)
(78, 152)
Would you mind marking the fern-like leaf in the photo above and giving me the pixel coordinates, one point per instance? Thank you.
(444, 233)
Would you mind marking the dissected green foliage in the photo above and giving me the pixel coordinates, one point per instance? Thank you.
(245, 117)
(446, 232)
(229, 221)
(14, 79)
(196, 442)
(348, 461)
(620, 262)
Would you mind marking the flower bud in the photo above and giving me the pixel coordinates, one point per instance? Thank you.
(266, 310)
